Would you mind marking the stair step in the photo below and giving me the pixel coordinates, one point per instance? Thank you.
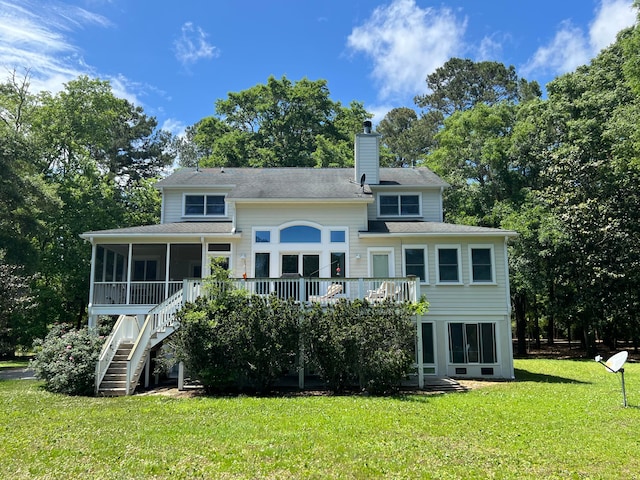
(113, 384)
(112, 392)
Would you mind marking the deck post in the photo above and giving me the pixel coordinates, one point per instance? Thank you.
(181, 376)
(147, 367)
(419, 352)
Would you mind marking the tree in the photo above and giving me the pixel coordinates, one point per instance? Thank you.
(86, 120)
(460, 84)
(16, 299)
(279, 124)
(79, 160)
(407, 136)
(592, 187)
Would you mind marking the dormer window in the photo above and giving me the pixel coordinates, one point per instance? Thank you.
(399, 205)
(204, 205)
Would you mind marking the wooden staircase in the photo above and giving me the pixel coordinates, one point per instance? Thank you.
(114, 383)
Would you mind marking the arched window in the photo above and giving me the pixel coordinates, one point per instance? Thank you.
(300, 234)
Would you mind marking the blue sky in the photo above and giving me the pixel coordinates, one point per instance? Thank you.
(175, 59)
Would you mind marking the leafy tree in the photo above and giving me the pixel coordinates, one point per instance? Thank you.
(79, 160)
(86, 120)
(279, 124)
(407, 136)
(592, 186)
(460, 84)
(16, 300)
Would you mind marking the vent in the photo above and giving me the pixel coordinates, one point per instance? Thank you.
(461, 371)
(486, 371)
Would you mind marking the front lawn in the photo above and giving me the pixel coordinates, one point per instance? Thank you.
(561, 419)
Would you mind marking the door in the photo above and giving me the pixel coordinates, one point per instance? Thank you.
(380, 265)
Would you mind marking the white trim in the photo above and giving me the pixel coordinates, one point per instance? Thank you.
(204, 213)
(398, 195)
(450, 247)
(276, 249)
(482, 246)
(498, 234)
(390, 251)
(423, 247)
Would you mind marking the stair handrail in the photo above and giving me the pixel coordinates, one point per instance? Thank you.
(159, 318)
(109, 349)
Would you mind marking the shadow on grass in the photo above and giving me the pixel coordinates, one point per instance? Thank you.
(527, 376)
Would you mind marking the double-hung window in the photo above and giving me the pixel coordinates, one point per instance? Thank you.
(399, 205)
(205, 205)
(448, 258)
(415, 262)
(481, 264)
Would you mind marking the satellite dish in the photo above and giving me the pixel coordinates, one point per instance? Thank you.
(362, 179)
(615, 363)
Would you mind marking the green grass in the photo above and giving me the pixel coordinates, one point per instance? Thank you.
(15, 363)
(561, 419)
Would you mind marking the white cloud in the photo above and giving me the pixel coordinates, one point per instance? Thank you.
(35, 38)
(613, 16)
(489, 49)
(572, 46)
(193, 46)
(406, 43)
(568, 49)
(176, 127)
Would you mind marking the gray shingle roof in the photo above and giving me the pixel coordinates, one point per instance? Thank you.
(178, 228)
(377, 227)
(298, 183)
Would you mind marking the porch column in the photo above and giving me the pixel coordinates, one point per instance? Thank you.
(181, 376)
(204, 268)
(92, 318)
(130, 267)
(166, 271)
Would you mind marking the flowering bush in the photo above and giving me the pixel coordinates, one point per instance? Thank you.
(66, 360)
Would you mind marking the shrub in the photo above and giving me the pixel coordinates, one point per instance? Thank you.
(66, 360)
(358, 343)
(230, 340)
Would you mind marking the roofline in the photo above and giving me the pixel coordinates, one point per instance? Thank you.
(396, 186)
(91, 235)
(505, 233)
(367, 199)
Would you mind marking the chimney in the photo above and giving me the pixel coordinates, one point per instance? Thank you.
(367, 155)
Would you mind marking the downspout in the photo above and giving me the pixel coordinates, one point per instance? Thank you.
(441, 206)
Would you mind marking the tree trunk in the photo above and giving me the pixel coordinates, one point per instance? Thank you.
(536, 325)
(520, 309)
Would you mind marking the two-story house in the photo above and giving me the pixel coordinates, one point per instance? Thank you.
(316, 234)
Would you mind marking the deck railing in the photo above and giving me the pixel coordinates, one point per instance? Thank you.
(133, 293)
(323, 290)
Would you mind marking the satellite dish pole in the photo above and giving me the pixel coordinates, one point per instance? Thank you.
(614, 365)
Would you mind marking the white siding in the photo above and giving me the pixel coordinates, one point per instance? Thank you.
(329, 215)
(172, 205)
(431, 203)
(463, 298)
(367, 158)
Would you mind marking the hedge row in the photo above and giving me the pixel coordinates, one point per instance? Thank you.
(234, 341)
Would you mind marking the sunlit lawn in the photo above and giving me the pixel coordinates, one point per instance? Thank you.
(561, 419)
